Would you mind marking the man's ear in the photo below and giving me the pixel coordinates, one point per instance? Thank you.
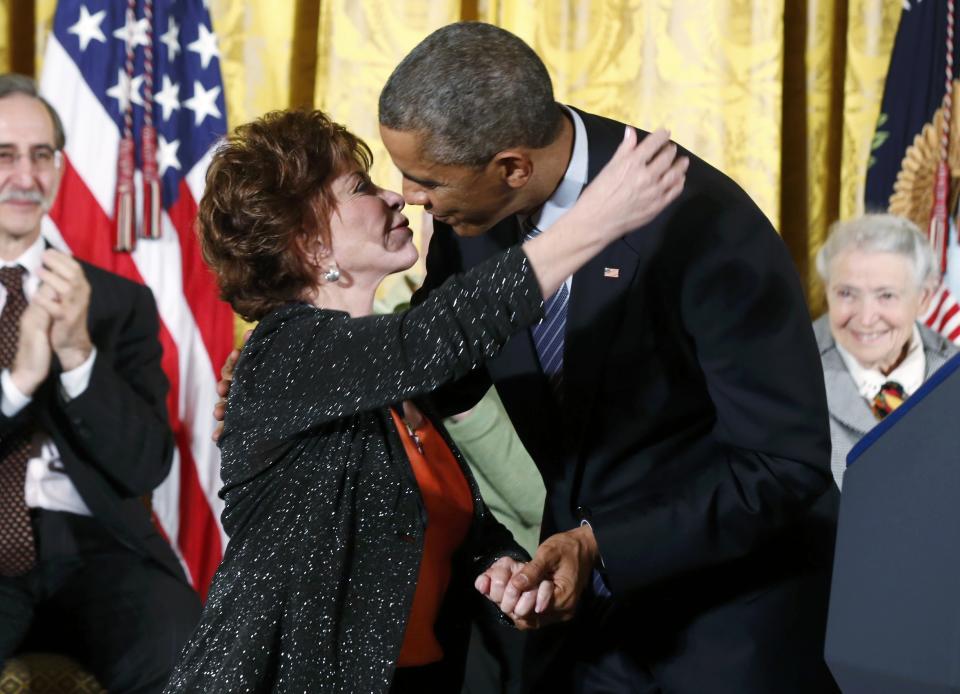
(515, 167)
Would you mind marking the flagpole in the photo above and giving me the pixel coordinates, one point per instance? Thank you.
(126, 155)
(939, 228)
(150, 229)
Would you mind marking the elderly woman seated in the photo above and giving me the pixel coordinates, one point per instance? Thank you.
(880, 274)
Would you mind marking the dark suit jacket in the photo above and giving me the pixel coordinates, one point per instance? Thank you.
(693, 434)
(114, 439)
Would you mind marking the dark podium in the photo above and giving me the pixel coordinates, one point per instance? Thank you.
(894, 620)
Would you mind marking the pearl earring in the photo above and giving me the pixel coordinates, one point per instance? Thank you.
(332, 274)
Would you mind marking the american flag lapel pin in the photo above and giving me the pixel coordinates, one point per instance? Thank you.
(613, 272)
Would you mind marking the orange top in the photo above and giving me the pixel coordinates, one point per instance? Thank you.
(449, 503)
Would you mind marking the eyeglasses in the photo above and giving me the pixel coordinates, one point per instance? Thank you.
(42, 159)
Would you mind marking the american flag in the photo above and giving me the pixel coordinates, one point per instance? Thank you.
(89, 80)
(915, 86)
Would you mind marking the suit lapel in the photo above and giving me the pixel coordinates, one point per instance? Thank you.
(518, 357)
(936, 349)
(844, 401)
(597, 297)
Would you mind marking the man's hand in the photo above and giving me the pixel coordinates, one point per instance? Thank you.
(223, 387)
(31, 364)
(64, 293)
(567, 560)
(531, 603)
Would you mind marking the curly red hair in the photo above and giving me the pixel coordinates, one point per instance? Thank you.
(268, 195)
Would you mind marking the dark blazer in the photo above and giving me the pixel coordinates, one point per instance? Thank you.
(114, 440)
(693, 434)
(324, 513)
(850, 415)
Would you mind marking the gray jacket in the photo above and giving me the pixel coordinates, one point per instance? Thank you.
(850, 415)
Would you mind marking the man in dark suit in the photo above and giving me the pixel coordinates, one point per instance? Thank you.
(672, 398)
(84, 437)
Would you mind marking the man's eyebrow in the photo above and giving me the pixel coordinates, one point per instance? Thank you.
(32, 148)
(420, 181)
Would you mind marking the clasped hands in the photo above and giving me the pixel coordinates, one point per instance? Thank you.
(542, 591)
(548, 587)
(54, 322)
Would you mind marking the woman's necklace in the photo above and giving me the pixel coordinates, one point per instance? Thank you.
(408, 412)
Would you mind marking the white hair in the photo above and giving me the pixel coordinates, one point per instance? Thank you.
(881, 233)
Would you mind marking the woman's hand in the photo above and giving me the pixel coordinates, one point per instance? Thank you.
(524, 609)
(638, 182)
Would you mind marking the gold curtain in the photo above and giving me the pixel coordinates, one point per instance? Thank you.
(5, 35)
(782, 95)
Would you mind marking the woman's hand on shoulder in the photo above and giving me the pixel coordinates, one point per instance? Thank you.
(638, 182)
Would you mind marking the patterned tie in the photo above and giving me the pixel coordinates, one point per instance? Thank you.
(17, 553)
(890, 397)
(548, 337)
(548, 334)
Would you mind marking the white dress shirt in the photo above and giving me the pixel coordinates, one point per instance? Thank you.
(910, 373)
(46, 486)
(574, 179)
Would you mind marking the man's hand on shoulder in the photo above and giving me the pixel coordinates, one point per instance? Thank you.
(64, 294)
(223, 386)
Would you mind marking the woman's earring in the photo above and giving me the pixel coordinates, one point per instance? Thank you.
(332, 274)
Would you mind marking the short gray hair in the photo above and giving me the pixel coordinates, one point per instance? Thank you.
(14, 83)
(881, 233)
(472, 90)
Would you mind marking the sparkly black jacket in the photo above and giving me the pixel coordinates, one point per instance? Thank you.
(324, 514)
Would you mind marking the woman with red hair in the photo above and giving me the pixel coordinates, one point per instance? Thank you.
(357, 534)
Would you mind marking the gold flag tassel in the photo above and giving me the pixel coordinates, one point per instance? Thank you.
(151, 184)
(939, 218)
(148, 140)
(125, 211)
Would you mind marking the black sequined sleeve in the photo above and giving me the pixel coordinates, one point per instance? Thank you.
(305, 366)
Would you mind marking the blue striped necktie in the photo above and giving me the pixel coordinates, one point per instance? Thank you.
(548, 334)
(548, 337)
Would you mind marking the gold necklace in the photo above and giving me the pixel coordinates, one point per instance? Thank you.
(411, 431)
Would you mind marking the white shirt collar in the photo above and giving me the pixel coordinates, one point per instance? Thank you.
(910, 373)
(574, 179)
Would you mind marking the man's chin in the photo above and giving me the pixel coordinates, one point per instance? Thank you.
(464, 229)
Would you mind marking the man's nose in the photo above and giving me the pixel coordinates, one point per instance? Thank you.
(22, 171)
(415, 194)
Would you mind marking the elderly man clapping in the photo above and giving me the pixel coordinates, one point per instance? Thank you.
(880, 273)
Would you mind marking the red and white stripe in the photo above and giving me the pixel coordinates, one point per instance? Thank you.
(943, 315)
(197, 328)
